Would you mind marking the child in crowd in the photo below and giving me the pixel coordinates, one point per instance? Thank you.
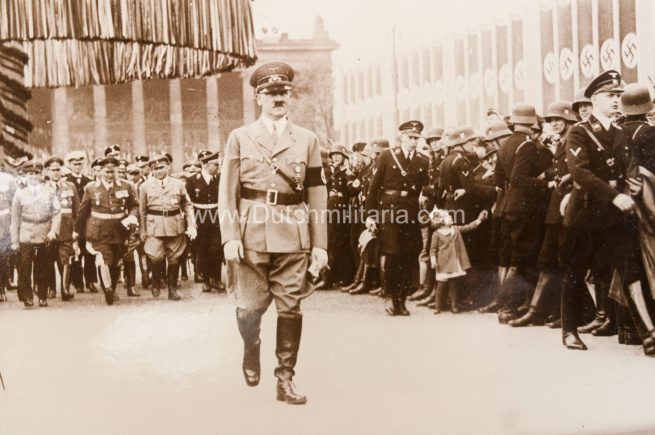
(448, 256)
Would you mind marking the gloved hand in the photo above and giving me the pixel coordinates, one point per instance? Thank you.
(318, 259)
(192, 232)
(233, 250)
(130, 220)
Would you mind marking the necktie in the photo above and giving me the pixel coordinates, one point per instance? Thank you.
(275, 135)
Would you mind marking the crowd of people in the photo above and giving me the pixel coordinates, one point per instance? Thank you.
(543, 220)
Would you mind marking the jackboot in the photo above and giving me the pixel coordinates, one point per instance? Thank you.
(536, 314)
(155, 281)
(289, 331)
(367, 282)
(115, 272)
(249, 326)
(359, 278)
(130, 279)
(601, 290)
(66, 294)
(172, 281)
(104, 280)
(402, 309)
(392, 306)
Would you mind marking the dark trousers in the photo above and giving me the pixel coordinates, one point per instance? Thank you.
(83, 271)
(209, 249)
(33, 255)
(584, 248)
(5, 268)
(401, 262)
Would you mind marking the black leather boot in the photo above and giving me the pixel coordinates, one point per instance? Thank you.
(601, 290)
(66, 294)
(367, 282)
(359, 278)
(536, 314)
(172, 281)
(289, 330)
(155, 281)
(130, 279)
(115, 272)
(392, 306)
(249, 327)
(105, 284)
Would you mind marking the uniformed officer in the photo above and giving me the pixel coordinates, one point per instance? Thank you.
(546, 297)
(597, 222)
(142, 162)
(109, 207)
(113, 151)
(378, 145)
(521, 173)
(69, 201)
(35, 221)
(7, 192)
(393, 203)
(339, 251)
(83, 264)
(203, 192)
(163, 206)
(272, 180)
(134, 174)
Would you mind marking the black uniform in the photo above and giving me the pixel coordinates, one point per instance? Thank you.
(595, 229)
(208, 243)
(82, 274)
(393, 200)
(358, 183)
(340, 256)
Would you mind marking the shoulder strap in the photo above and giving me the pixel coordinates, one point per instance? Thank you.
(521, 146)
(634, 135)
(402, 170)
(594, 138)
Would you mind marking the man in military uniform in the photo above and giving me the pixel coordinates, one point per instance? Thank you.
(83, 264)
(69, 201)
(108, 208)
(7, 192)
(203, 192)
(521, 173)
(393, 203)
(35, 221)
(272, 181)
(596, 221)
(378, 146)
(142, 163)
(163, 206)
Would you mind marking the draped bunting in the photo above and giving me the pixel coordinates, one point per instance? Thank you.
(81, 42)
(14, 120)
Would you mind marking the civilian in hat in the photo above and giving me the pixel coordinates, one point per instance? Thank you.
(273, 166)
(63, 250)
(546, 297)
(108, 208)
(82, 268)
(596, 220)
(521, 174)
(35, 222)
(166, 218)
(400, 177)
(7, 191)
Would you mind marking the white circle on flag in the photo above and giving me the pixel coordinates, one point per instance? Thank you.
(630, 50)
(474, 85)
(588, 60)
(438, 93)
(504, 78)
(566, 63)
(550, 67)
(490, 82)
(519, 75)
(460, 87)
(610, 57)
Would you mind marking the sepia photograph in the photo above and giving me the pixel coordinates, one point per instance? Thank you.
(305, 217)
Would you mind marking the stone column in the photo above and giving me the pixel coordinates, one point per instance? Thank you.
(138, 120)
(100, 119)
(213, 122)
(60, 133)
(177, 137)
(249, 114)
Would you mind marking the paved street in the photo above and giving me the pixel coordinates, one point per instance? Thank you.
(153, 366)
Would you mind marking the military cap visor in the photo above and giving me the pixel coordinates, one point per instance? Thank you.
(272, 76)
(53, 160)
(208, 157)
(159, 160)
(75, 156)
(32, 167)
(96, 162)
(108, 161)
(141, 159)
(608, 81)
(411, 128)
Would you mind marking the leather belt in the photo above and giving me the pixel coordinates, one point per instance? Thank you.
(99, 215)
(31, 220)
(271, 196)
(396, 192)
(164, 213)
(205, 206)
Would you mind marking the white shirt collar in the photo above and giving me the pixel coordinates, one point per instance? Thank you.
(280, 124)
(604, 120)
(206, 176)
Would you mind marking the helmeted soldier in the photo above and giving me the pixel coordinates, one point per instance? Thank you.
(273, 168)
(203, 192)
(69, 201)
(109, 207)
(521, 172)
(393, 204)
(163, 207)
(35, 220)
(581, 105)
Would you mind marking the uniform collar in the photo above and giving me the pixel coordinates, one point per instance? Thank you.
(280, 124)
(604, 120)
(205, 175)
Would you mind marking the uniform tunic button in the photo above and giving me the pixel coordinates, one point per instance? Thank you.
(274, 159)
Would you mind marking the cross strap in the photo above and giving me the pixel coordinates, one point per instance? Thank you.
(276, 169)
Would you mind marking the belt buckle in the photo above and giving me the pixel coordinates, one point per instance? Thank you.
(403, 193)
(164, 213)
(271, 197)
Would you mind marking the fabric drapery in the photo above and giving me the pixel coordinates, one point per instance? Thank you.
(15, 124)
(82, 42)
